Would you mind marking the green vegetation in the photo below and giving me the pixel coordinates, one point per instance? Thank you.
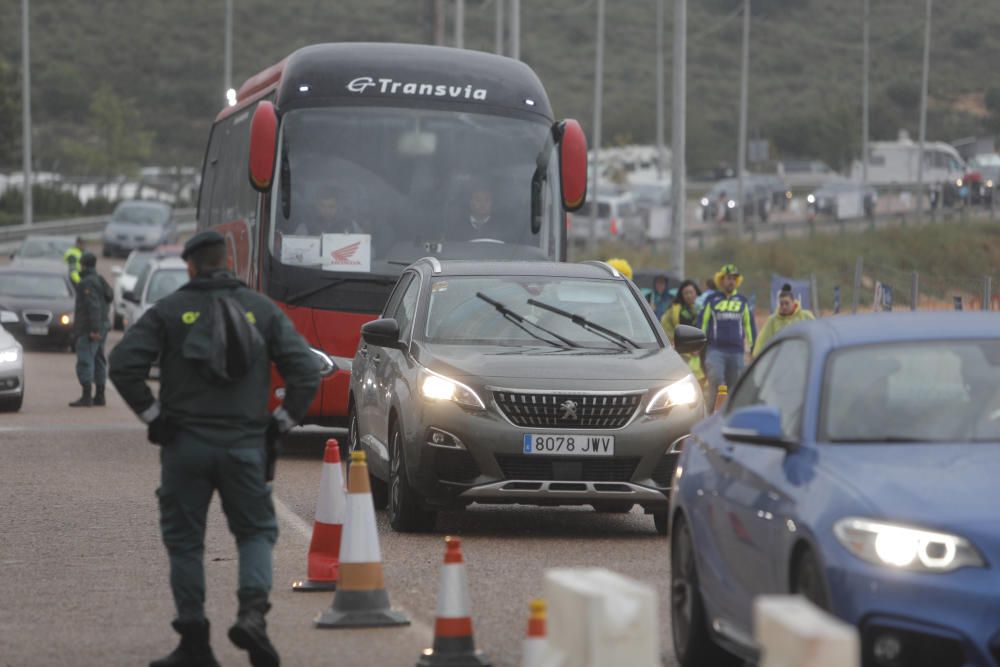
(165, 58)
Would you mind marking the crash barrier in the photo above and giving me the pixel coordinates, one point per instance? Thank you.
(185, 218)
(599, 618)
(720, 398)
(331, 508)
(361, 599)
(536, 643)
(793, 632)
(454, 643)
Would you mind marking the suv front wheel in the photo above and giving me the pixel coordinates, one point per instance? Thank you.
(406, 515)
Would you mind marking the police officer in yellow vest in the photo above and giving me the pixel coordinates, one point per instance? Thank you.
(72, 258)
(216, 339)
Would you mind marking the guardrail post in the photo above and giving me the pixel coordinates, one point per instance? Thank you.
(812, 227)
(783, 231)
(814, 291)
(914, 290)
(792, 632)
(859, 267)
(987, 291)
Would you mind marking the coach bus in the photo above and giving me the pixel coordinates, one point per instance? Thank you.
(344, 163)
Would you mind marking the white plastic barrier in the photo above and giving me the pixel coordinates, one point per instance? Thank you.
(599, 618)
(792, 632)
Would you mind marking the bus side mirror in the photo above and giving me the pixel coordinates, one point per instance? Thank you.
(263, 139)
(573, 165)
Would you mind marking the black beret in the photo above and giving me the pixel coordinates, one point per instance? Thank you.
(201, 240)
(88, 259)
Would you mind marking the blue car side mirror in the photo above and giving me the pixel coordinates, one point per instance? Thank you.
(757, 425)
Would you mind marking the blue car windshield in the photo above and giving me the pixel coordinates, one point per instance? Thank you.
(457, 316)
(935, 391)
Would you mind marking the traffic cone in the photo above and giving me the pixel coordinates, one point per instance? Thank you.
(361, 599)
(331, 506)
(454, 645)
(720, 398)
(536, 642)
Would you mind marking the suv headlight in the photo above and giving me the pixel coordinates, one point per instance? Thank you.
(9, 356)
(437, 387)
(905, 547)
(682, 392)
(8, 317)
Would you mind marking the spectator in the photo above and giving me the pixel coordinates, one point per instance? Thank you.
(684, 310)
(789, 311)
(710, 290)
(728, 322)
(661, 299)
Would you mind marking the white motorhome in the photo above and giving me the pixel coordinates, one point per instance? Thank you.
(895, 162)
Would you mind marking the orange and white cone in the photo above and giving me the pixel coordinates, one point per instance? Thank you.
(454, 644)
(331, 508)
(536, 643)
(361, 599)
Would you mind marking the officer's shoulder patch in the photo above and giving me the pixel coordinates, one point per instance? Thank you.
(190, 317)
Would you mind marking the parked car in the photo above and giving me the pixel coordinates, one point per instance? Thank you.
(777, 189)
(127, 275)
(824, 200)
(536, 383)
(43, 246)
(11, 365)
(618, 217)
(983, 178)
(160, 277)
(855, 464)
(756, 196)
(42, 297)
(137, 224)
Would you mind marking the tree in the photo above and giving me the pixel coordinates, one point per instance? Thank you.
(114, 142)
(10, 116)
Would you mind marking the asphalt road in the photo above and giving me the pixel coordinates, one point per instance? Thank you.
(83, 575)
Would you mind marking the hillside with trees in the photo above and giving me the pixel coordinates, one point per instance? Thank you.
(118, 83)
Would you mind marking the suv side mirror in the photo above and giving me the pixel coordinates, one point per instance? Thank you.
(383, 333)
(756, 425)
(688, 339)
(263, 141)
(573, 165)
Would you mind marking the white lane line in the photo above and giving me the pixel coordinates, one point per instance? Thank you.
(289, 517)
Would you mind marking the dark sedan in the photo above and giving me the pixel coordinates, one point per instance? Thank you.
(534, 383)
(141, 225)
(42, 297)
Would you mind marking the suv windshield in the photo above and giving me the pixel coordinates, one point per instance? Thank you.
(33, 285)
(939, 391)
(456, 316)
(165, 281)
(369, 189)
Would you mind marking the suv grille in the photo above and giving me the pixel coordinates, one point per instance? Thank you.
(602, 411)
(663, 474)
(38, 316)
(567, 469)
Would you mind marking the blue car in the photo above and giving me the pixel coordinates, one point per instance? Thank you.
(857, 463)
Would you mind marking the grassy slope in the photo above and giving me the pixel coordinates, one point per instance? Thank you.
(805, 63)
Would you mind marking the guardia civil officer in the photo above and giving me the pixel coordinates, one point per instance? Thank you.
(215, 339)
(90, 326)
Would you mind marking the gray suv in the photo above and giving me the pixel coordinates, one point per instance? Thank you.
(536, 383)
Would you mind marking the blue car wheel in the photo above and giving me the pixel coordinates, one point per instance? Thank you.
(807, 579)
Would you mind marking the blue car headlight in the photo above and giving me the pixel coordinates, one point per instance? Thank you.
(906, 547)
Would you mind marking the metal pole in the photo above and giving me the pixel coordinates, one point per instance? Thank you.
(439, 21)
(814, 292)
(744, 99)
(26, 115)
(987, 291)
(515, 29)
(498, 27)
(678, 139)
(459, 24)
(598, 102)
(923, 113)
(859, 267)
(227, 75)
(865, 98)
(660, 166)
(914, 290)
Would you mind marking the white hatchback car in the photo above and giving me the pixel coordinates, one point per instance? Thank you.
(618, 218)
(160, 277)
(11, 367)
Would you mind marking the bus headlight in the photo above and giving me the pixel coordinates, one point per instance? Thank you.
(905, 547)
(682, 392)
(436, 387)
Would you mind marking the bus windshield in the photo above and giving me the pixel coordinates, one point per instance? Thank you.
(370, 189)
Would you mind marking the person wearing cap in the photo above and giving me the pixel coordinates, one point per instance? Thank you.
(727, 319)
(216, 340)
(789, 312)
(72, 258)
(90, 326)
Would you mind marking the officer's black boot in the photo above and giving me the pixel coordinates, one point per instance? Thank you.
(99, 395)
(85, 401)
(250, 632)
(194, 649)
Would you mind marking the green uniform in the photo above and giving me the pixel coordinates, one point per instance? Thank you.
(216, 431)
(93, 301)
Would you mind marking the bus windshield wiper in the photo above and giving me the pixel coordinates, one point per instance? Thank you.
(593, 327)
(520, 321)
(299, 296)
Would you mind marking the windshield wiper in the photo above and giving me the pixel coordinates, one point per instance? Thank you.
(593, 327)
(296, 298)
(520, 321)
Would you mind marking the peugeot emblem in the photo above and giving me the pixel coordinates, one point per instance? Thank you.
(568, 411)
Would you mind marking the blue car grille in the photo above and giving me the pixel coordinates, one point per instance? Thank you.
(569, 411)
(567, 469)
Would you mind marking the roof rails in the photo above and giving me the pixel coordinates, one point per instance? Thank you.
(435, 264)
(604, 265)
